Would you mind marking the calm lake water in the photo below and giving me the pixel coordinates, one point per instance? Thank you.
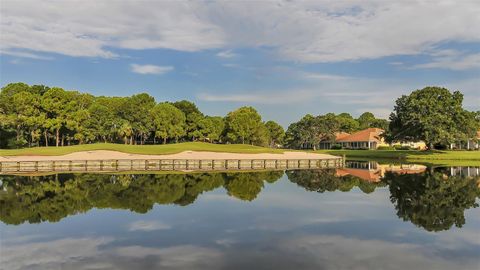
(366, 216)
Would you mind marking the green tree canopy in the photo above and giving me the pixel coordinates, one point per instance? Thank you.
(242, 125)
(168, 121)
(193, 116)
(276, 133)
(432, 200)
(136, 110)
(36, 199)
(347, 123)
(432, 114)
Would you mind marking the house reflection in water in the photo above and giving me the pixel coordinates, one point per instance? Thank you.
(465, 171)
(372, 171)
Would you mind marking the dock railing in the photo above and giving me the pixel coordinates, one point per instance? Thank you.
(118, 165)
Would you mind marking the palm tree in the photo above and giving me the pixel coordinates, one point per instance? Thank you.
(126, 132)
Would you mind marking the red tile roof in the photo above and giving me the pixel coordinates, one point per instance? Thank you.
(341, 135)
(369, 134)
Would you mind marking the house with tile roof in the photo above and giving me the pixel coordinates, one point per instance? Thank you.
(370, 138)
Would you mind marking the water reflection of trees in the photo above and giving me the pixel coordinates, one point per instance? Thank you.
(432, 200)
(327, 180)
(51, 198)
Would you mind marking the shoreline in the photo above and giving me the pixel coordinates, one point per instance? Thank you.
(190, 155)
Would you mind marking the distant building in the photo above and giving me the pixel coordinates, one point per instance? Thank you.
(472, 144)
(370, 138)
(421, 145)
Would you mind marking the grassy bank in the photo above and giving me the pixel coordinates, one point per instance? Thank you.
(452, 158)
(140, 149)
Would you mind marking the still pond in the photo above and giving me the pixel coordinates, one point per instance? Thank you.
(364, 216)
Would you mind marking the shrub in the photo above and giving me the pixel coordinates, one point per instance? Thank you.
(402, 147)
(383, 147)
(336, 146)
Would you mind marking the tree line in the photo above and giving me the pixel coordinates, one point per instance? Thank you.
(38, 115)
(310, 130)
(432, 114)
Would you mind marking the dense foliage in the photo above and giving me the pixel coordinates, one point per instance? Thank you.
(42, 116)
(434, 115)
(432, 200)
(50, 198)
(326, 180)
(310, 130)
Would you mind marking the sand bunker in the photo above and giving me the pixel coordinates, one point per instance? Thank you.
(192, 155)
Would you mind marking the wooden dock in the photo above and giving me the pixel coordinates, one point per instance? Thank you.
(119, 165)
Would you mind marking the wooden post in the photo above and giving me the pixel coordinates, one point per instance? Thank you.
(101, 165)
(226, 164)
(116, 165)
(173, 164)
(146, 165)
(131, 164)
(36, 166)
(252, 164)
(299, 163)
(276, 163)
(69, 165)
(18, 166)
(213, 164)
(239, 165)
(264, 164)
(186, 164)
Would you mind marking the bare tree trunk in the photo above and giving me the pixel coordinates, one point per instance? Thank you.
(57, 137)
(63, 140)
(165, 140)
(131, 140)
(154, 140)
(46, 137)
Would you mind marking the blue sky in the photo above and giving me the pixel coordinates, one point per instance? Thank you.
(284, 58)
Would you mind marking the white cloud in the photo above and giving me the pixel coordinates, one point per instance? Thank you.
(262, 97)
(452, 60)
(143, 225)
(50, 254)
(226, 54)
(307, 32)
(325, 88)
(150, 69)
(323, 76)
(25, 54)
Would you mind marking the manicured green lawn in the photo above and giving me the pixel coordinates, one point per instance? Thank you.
(140, 149)
(452, 158)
